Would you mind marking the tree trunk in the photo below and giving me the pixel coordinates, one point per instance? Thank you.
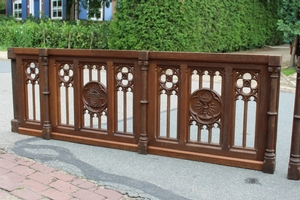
(294, 47)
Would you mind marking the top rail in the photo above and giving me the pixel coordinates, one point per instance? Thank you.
(271, 60)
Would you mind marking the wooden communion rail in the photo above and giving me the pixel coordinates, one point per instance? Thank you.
(217, 108)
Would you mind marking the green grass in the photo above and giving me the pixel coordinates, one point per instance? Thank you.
(289, 71)
(3, 48)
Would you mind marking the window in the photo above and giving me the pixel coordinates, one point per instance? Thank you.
(96, 15)
(17, 11)
(56, 12)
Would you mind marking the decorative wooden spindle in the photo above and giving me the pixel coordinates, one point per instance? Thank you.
(294, 163)
(269, 157)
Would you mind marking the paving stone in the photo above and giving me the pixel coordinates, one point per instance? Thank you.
(63, 186)
(55, 194)
(6, 195)
(26, 194)
(12, 176)
(42, 178)
(22, 170)
(42, 168)
(25, 162)
(110, 194)
(62, 176)
(9, 157)
(6, 164)
(78, 181)
(85, 194)
(34, 185)
(88, 185)
(3, 171)
(8, 185)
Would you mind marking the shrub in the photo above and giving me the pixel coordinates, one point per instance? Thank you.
(193, 25)
(47, 33)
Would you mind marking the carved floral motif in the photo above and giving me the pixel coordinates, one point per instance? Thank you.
(205, 106)
(32, 71)
(94, 97)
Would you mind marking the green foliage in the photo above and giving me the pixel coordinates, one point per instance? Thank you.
(194, 25)
(289, 71)
(289, 21)
(53, 34)
(2, 6)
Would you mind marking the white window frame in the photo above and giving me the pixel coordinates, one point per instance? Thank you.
(17, 12)
(31, 8)
(94, 18)
(56, 8)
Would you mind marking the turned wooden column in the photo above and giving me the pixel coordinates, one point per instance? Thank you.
(269, 157)
(15, 122)
(143, 140)
(47, 128)
(294, 163)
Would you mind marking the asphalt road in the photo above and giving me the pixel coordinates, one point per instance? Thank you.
(150, 176)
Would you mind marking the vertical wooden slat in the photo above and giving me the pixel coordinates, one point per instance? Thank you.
(33, 100)
(124, 111)
(77, 69)
(67, 104)
(168, 116)
(111, 92)
(245, 125)
(228, 102)
(183, 103)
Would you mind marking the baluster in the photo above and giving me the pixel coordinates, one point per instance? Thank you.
(14, 74)
(143, 141)
(47, 129)
(294, 163)
(269, 157)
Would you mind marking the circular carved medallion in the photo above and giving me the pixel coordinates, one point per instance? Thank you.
(94, 97)
(205, 106)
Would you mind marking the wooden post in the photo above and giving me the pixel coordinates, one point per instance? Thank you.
(47, 128)
(14, 75)
(294, 163)
(269, 157)
(143, 141)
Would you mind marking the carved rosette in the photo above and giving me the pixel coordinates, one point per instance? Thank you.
(124, 77)
(168, 80)
(32, 72)
(66, 74)
(246, 84)
(205, 106)
(94, 97)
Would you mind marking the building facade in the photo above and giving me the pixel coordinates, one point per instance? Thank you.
(54, 9)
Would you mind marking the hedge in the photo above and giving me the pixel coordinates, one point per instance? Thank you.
(53, 34)
(194, 25)
(157, 25)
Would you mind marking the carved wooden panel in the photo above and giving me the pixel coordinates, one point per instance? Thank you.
(32, 89)
(168, 79)
(124, 77)
(94, 95)
(66, 93)
(246, 97)
(205, 106)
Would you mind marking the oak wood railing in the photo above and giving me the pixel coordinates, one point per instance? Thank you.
(217, 108)
(294, 163)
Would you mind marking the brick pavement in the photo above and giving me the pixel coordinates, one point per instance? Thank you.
(22, 178)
